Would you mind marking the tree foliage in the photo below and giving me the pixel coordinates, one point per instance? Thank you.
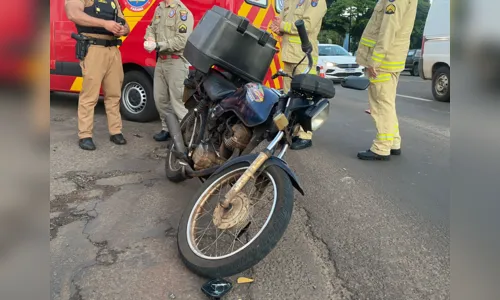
(351, 16)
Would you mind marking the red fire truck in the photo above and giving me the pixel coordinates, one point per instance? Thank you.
(137, 92)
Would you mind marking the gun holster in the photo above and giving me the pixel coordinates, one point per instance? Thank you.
(82, 46)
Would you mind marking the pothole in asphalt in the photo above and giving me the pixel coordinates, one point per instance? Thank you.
(80, 204)
(106, 256)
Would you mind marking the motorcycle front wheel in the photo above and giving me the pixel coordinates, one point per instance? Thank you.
(216, 242)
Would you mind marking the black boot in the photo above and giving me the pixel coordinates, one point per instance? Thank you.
(299, 144)
(118, 139)
(161, 136)
(86, 144)
(369, 155)
(395, 151)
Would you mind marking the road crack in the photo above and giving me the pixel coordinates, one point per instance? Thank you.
(337, 285)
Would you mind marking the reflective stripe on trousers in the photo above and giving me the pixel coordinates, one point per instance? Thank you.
(382, 99)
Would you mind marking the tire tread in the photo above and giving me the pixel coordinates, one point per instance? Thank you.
(260, 248)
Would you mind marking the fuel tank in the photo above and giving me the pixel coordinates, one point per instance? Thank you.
(252, 103)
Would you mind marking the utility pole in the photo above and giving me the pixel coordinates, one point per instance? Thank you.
(349, 37)
(350, 28)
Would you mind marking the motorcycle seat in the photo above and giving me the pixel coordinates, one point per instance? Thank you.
(217, 86)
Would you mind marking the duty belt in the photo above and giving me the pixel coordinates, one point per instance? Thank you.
(167, 56)
(105, 43)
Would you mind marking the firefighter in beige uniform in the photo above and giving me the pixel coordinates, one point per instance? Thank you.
(101, 63)
(382, 50)
(312, 12)
(168, 32)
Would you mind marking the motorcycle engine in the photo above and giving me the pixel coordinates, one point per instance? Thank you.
(238, 137)
(204, 157)
(235, 137)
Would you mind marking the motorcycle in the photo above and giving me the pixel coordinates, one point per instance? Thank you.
(219, 233)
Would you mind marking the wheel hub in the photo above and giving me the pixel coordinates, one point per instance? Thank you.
(134, 97)
(442, 83)
(236, 216)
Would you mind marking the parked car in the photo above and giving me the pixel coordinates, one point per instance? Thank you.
(337, 62)
(435, 59)
(412, 61)
(137, 103)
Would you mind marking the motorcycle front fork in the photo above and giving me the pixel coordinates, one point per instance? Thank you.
(281, 122)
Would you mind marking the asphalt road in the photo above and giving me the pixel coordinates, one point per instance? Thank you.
(364, 230)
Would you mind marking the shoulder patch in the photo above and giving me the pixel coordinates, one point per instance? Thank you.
(314, 3)
(182, 28)
(183, 14)
(390, 9)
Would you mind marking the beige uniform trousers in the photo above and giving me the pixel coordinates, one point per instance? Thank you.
(169, 87)
(288, 68)
(382, 99)
(102, 65)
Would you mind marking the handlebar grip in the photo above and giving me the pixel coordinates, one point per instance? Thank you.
(304, 39)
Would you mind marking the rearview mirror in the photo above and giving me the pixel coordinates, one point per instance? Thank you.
(350, 53)
(355, 83)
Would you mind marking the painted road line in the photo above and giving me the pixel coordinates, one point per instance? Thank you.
(416, 98)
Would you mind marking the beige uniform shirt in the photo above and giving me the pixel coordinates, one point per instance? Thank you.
(386, 38)
(171, 26)
(88, 3)
(312, 13)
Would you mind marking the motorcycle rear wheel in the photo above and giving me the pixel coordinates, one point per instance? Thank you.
(174, 171)
(256, 248)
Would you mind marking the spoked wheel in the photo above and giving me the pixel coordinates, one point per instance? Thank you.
(191, 130)
(216, 242)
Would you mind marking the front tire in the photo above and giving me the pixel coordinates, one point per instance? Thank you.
(256, 248)
(137, 103)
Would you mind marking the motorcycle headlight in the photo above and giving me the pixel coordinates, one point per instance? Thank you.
(316, 115)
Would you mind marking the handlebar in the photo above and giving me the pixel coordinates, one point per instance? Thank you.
(306, 45)
(306, 48)
(304, 39)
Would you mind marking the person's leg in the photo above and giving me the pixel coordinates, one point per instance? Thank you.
(287, 68)
(160, 91)
(304, 138)
(175, 75)
(396, 144)
(382, 98)
(112, 87)
(92, 73)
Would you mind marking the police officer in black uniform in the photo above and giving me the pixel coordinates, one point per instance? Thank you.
(99, 23)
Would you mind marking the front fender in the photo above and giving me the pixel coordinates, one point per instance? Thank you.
(273, 160)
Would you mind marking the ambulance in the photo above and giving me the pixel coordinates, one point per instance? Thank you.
(137, 103)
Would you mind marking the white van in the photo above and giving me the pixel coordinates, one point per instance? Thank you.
(435, 60)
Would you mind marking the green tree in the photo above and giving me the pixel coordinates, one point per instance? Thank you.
(330, 37)
(345, 16)
(418, 29)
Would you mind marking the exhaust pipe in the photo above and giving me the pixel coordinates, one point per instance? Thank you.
(174, 128)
